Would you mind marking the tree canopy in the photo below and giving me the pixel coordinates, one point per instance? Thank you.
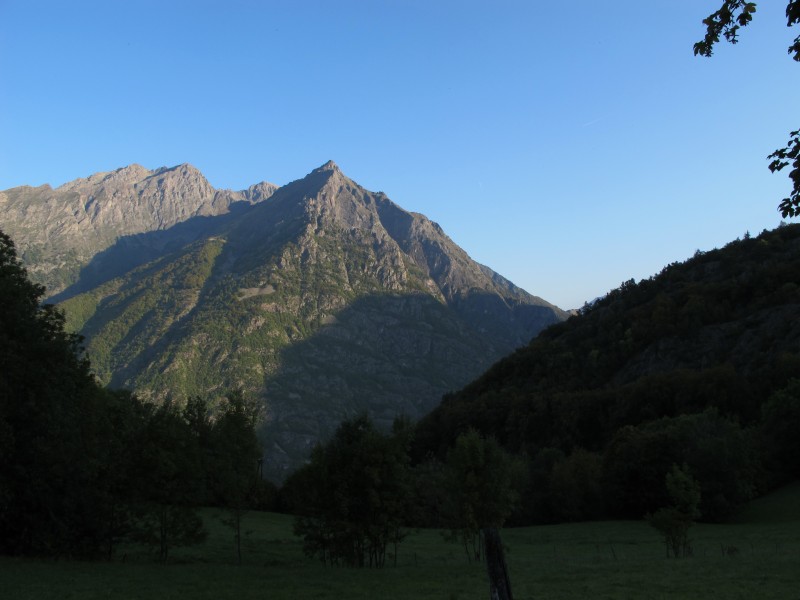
(480, 481)
(353, 495)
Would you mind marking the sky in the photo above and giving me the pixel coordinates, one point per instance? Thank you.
(569, 146)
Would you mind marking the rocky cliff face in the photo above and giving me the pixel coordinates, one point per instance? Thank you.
(59, 231)
(324, 301)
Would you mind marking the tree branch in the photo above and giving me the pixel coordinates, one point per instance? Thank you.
(783, 157)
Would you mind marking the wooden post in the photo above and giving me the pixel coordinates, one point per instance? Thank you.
(499, 582)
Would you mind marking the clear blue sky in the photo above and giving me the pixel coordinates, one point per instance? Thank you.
(568, 145)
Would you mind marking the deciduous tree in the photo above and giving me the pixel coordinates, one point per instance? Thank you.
(170, 481)
(674, 521)
(235, 451)
(354, 495)
(482, 482)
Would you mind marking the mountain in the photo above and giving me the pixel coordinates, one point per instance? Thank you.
(62, 233)
(320, 298)
(683, 367)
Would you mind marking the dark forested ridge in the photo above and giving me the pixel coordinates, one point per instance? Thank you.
(693, 365)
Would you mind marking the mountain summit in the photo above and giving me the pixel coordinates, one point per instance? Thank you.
(320, 297)
(59, 232)
(328, 166)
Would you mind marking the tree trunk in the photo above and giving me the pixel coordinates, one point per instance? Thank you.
(499, 582)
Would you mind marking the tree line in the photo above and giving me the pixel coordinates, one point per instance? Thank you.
(359, 494)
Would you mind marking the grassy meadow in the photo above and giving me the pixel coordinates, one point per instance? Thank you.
(756, 556)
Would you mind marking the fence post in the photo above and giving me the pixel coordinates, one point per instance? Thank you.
(499, 582)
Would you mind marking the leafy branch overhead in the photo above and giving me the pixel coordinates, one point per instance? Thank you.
(734, 14)
(726, 22)
(789, 207)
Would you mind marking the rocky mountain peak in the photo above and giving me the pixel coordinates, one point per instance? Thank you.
(183, 186)
(328, 166)
(183, 170)
(68, 227)
(260, 191)
(123, 176)
(131, 173)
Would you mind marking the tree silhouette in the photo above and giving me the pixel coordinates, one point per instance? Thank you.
(49, 424)
(726, 22)
(481, 482)
(354, 495)
(235, 453)
(674, 521)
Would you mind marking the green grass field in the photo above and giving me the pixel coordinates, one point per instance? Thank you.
(616, 560)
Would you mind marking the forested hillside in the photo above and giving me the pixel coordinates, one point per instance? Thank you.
(693, 365)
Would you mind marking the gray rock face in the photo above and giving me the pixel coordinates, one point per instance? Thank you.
(59, 231)
(321, 298)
